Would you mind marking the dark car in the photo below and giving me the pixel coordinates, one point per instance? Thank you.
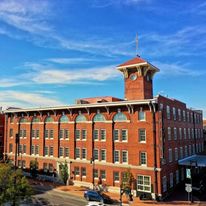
(97, 196)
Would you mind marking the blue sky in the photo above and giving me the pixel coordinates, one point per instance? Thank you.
(53, 52)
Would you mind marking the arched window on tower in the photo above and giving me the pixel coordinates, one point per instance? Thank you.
(49, 119)
(99, 118)
(119, 117)
(81, 118)
(64, 119)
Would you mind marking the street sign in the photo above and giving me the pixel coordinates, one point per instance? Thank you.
(188, 173)
(188, 187)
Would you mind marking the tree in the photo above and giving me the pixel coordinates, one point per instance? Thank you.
(127, 181)
(34, 168)
(64, 172)
(14, 187)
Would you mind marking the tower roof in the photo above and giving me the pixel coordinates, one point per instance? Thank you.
(137, 61)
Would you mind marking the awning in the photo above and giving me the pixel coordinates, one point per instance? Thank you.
(194, 160)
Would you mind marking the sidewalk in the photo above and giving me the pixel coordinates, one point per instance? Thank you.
(79, 191)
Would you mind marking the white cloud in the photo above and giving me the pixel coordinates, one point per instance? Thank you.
(78, 76)
(70, 60)
(177, 69)
(9, 83)
(24, 99)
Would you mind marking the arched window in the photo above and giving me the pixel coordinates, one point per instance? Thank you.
(99, 118)
(81, 118)
(49, 119)
(35, 119)
(119, 117)
(64, 119)
(23, 120)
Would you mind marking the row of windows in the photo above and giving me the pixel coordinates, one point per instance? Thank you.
(98, 134)
(165, 185)
(82, 118)
(181, 115)
(189, 133)
(188, 150)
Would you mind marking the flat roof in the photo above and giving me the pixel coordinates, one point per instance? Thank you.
(194, 160)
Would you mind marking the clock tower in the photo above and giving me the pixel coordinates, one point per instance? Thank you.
(138, 75)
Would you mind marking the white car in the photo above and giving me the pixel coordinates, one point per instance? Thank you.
(92, 203)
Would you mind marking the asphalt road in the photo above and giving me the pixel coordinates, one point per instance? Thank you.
(47, 196)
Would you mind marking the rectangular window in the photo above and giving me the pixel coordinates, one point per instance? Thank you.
(20, 149)
(61, 152)
(124, 157)
(84, 153)
(76, 171)
(103, 174)
(179, 115)
(11, 133)
(142, 135)
(177, 176)
(61, 132)
(46, 134)
(116, 135)
(181, 153)
(116, 176)
(184, 116)
(51, 168)
(36, 149)
(51, 134)
(143, 158)
(45, 167)
(170, 155)
(103, 154)
(180, 133)
(188, 131)
(84, 134)
(171, 180)
(96, 134)
(103, 134)
(168, 112)
(176, 154)
(141, 116)
(175, 133)
(174, 113)
(164, 183)
(84, 172)
(96, 154)
(144, 183)
(95, 172)
(77, 134)
(24, 149)
(24, 133)
(186, 154)
(20, 133)
(51, 151)
(46, 151)
(66, 134)
(124, 135)
(37, 133)
(185, 134)
(169, 133)
(116, 156)
(77, 153)
(10, 148)
(188, 117)
(32, 150)
(33, 133)
(66, 152)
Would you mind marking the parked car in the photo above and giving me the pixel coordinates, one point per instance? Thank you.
(95, 204)
(97, 196)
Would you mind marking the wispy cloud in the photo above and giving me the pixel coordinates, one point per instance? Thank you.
(79, 76)
(70, 60)
(186, 41)
(25, 99)
(177, 69)
(5, 83)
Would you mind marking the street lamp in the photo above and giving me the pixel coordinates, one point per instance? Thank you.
(191, 163)
(93, 164)
(16, 151)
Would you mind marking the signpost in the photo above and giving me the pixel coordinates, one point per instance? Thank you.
(188, 188)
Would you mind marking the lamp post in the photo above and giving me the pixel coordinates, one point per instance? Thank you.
(191, 163)
(70, 172)
(93, 164)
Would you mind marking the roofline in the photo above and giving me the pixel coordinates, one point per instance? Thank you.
(138, 64)
(76, 106)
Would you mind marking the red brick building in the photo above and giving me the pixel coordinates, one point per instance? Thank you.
(145, 134)
(1, 134)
